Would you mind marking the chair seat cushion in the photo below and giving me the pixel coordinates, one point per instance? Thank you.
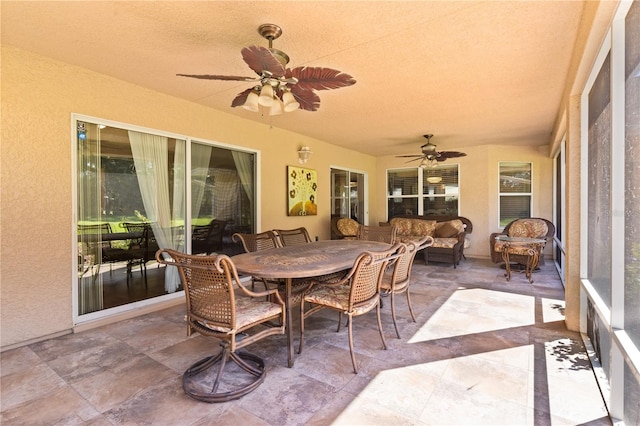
(444, 242)
(336, 297)
(514, 249)
(249, 310)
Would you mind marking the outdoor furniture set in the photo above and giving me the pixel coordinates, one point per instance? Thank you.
(347, 276)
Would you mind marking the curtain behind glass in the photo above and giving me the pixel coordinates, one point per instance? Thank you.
(200, 157)
(90, 201)
(151, 158)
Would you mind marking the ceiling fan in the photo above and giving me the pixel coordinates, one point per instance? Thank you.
(431, 157)
(277, 87)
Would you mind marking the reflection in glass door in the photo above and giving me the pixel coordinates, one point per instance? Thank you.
(348, 195)
(131, 200)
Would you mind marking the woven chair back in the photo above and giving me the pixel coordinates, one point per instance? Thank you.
(382, 234)
(257, 242)
(291, 237)
(208, 287)
(365, 281)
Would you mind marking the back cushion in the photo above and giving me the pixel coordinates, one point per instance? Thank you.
(347, 226)
(423, 227)
(445, 230)
(404, 225)
(449, 229)
(529, 228)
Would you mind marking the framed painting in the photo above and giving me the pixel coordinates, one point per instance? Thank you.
(302, 186)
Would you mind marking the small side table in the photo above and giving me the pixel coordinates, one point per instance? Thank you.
(530, 247)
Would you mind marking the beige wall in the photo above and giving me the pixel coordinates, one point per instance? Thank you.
(38, 97)
(479, 187)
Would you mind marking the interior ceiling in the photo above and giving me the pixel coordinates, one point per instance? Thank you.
(470, 72)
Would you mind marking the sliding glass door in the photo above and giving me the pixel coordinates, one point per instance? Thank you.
(140, 190)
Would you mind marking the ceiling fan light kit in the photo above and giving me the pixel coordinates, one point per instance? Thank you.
(279, 89)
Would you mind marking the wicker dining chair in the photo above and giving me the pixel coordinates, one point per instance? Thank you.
(257, 242)
(220, 306)
(383, 234)
(397, 278)
(356, 294)
(290, 237)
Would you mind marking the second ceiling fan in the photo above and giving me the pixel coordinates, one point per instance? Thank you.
(430, 156)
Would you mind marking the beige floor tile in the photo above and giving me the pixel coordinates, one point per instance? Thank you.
(482, 352)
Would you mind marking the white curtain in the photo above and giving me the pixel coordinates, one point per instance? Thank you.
(151, 158)
(244, 166)
(200, 157)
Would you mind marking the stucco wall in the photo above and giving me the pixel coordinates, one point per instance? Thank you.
(38, 97)
(479, 187)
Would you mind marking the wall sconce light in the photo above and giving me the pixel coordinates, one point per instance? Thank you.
(303, 154)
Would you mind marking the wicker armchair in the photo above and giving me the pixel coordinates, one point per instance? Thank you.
(533, 227)
(383, 234)
(290, 237)
(355, 294)
(220, 306)
(397, 278)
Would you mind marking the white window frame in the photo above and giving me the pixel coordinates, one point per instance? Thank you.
(514, 194)
(420, 196)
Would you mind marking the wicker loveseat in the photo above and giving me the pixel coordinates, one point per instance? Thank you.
(448, 234)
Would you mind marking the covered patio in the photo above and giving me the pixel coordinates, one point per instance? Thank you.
(483, 351)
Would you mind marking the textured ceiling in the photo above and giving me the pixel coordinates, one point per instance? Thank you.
(471, 73)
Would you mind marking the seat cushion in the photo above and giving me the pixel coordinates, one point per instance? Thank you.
(249, 310)
(336, 297)
(444, 242)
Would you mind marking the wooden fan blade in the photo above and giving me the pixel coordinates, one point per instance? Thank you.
(308, 99)
(261, 59)
(218, 77)
(410, 156)
(443, 155)
(241, 98)
(316, 78)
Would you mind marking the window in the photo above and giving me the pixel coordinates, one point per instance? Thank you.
(439, 193)
(440, 189)
(402, 192)
(138, 190)
(514, 191)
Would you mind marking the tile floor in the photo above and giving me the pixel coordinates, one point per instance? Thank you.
(483, 352)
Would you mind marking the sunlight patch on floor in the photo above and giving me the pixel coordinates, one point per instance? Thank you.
(470, 311)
